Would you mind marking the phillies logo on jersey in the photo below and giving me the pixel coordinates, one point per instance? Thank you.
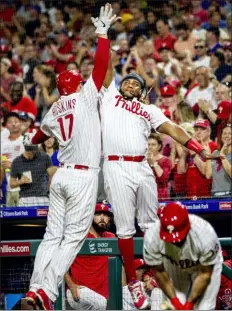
(134, 107)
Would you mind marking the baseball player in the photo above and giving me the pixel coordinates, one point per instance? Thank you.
(74, 121)
(185, 255)
(153, 292)
(88, 278)
(130, 185)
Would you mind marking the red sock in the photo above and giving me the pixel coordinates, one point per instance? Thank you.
(126, 247)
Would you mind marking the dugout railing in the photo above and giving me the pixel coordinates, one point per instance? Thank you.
(107, 247)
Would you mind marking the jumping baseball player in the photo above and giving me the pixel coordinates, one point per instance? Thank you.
(130, 184)
(185, 255)
(88, 278)
(74, 121)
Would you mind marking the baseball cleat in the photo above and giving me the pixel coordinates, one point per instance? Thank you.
(31, 298)
(43, 300)
(137, 294)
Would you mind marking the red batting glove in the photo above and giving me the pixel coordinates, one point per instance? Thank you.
(188, 305)
(177, 304)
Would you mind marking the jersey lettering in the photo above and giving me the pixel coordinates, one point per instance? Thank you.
(63, 106)
(134, 107)
(183, 263)
(63, 126)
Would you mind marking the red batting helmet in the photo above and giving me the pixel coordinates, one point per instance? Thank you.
(139, 263)
(68, 81)
(174, 222)
(103, 208)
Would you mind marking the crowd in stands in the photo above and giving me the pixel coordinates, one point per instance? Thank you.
(181, 48)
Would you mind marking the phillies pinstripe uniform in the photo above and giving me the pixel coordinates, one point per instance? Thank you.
(182, 264)
(74, 121)
(130, 186)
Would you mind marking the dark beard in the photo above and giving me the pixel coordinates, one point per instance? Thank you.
(100, 229)
(128, 97)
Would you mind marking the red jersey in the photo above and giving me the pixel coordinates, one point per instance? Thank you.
(66, 49)
(25, 104)
(167, 42)
(92, 271)
(197, 184)
(162, 181)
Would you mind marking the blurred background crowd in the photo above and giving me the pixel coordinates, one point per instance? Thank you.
(183, 50)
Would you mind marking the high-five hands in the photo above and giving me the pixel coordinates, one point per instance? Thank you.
(105, 19)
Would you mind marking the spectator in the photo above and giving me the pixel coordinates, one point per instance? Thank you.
(220, 170)
(29, 172)
(191, 164)
(87, 280)
(212, 40)
(220, 69)
(221, 93)
(151, 22)
(200, 15)
(224, 295)
(51, 147)
(18, 102)
(11, 148)
(72, 66)
(204, 89)
(223, 112)
(30, 61)
(168, 101)
(5, 80)
(165, 38)
(168, 64)
(26, 122)
(185, 42)
(227, 50)
(184, 113)
(201, 54)
(63, 52)
(160, 165)
(46, 91)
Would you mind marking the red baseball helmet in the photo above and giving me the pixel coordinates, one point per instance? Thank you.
(68, 81)
(103, 208)
(139, 263)
(174, 222)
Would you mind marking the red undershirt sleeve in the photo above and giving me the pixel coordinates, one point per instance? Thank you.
(39, 138)
(101, 62)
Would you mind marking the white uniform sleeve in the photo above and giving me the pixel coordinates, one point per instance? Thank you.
(211, 249)
(48, 123)
(110, 90)
(89, 95)
(151, 253)
(157, 117)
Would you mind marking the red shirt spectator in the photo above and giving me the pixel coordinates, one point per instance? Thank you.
(5, 80)
(198, 12)
(19, 103)
(165, 38)
(160, 165)
(196, 183)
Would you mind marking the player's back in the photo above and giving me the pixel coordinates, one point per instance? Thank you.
(77, 129)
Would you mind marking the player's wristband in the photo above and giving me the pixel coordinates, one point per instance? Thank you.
(177, 304)
(188, 305)
(193, 145)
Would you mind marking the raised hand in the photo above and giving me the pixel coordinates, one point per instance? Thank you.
(105, 19)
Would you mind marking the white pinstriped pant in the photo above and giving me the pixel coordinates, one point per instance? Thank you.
(72, 204)
(132, 191)
(89, 300)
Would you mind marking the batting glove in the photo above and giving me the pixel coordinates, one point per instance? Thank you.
(27, 138)
(103, 22)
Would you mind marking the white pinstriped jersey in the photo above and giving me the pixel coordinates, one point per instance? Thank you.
(201, 247)
(74, 121)
(126, 124)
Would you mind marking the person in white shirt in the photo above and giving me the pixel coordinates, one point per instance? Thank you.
(201, 52)
(204, 89)
(186, 258)
(12, 147)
